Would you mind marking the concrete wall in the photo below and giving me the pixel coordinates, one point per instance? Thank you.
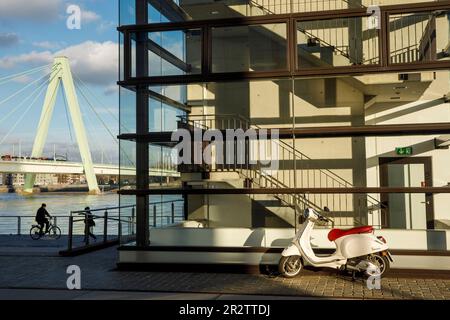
(397, 240)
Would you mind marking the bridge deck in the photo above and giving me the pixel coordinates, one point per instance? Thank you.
(63, 167)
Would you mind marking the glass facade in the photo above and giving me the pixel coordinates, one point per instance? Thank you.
(214, 10)
(337, 42)
(249, 48)
(420, 36)
(362, 109)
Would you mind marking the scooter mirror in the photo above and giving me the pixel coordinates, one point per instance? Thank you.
(306, 214)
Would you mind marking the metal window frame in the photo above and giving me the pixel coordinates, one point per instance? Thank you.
(290, 20)
(321, 132)
(305, 191)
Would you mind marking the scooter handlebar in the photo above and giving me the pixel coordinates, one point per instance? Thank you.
(322, 218)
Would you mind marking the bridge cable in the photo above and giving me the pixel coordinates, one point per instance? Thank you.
(26, 111)
(8, 78)
(24, 88)
(23, 101)
(29, 107)
(106, 127)
(99, 100)
(97, 115)
(21, 117)
(94, 142)
(102, 122)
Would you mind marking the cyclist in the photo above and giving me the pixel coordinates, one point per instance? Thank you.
(41, 218)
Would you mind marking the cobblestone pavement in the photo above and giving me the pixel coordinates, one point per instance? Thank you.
(99, 273)
(23, 245)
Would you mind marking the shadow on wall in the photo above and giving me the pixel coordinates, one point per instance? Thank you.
(399, 113)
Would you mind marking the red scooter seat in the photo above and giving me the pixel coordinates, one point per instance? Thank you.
(337, 233)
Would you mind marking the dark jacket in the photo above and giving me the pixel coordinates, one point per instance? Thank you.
(41, 214)
(89, 219)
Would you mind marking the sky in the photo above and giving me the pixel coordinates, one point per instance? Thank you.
(32, 33)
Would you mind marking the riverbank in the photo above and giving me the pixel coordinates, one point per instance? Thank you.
(57, 189)
(58, 203)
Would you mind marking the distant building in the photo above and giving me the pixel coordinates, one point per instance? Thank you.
(18, 179)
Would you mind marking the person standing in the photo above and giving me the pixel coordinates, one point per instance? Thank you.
(89, 225)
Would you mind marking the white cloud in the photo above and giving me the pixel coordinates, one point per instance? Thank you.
(105, 26)
(41, 10)
(8, 39)
(93, 62)
(48, 45)
(33, 58)
(89, 16)
(111, 89)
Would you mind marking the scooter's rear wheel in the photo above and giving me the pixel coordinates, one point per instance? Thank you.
(290, 266)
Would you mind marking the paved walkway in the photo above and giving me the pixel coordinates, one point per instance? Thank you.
(25, 246)
(37, 294)
(99, 276)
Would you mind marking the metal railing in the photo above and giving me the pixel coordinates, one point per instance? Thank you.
(108, 227)
(294, 171)
(294, 6)
(413, 37)
(119, 223)
(336, 38)
(166, 212)
(21, 225)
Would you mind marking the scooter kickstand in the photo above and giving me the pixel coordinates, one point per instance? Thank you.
(353, 275)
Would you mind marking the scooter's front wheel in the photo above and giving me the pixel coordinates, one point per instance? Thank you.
(290, 266)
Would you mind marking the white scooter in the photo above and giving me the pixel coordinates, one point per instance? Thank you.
(357, 250)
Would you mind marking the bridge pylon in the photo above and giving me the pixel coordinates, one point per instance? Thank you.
(62, 74)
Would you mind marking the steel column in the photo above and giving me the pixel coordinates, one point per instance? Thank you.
(142, 127)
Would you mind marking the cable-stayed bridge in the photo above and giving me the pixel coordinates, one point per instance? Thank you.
(58, 77)
(64, 167)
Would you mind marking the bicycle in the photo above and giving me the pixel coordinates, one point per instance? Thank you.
(53, 231)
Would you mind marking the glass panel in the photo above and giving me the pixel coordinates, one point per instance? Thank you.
(416, 37)
(166, 210)
(249, 48)
(167, 105)
(376, 99)
(121, 57)
(170, 52)
(175, 52)
(336, 42)
(127, 164)
(127, 111)
(127, 12)
(163, 169)
(205, 10)
(133, 58)
(155, 15)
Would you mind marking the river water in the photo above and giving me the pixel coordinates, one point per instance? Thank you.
(13, 205)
